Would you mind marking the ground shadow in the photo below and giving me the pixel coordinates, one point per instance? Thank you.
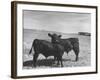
(66, 60)
(28, 63)
(44, 62)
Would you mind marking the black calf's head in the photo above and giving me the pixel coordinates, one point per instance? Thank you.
(54, 38)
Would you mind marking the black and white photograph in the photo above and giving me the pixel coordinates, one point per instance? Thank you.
(55, 39)
(50, 37)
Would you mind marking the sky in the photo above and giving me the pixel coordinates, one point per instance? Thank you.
(66, 22)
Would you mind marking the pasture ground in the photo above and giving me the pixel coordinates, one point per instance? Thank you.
(68, 59)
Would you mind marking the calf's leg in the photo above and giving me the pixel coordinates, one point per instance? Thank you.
(77, 54)
(61, 62)
(59, 59)
(76, 50)
(35, 56)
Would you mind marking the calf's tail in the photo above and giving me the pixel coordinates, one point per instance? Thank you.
(30, 50)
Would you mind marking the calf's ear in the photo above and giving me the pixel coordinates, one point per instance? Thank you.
(59, 35)
(49, 34)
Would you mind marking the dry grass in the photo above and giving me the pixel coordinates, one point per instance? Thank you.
(68, 60)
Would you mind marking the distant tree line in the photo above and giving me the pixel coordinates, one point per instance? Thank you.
(84, 33)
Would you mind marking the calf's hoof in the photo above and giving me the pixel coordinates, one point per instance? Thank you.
(62, 66)
(76, 60)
